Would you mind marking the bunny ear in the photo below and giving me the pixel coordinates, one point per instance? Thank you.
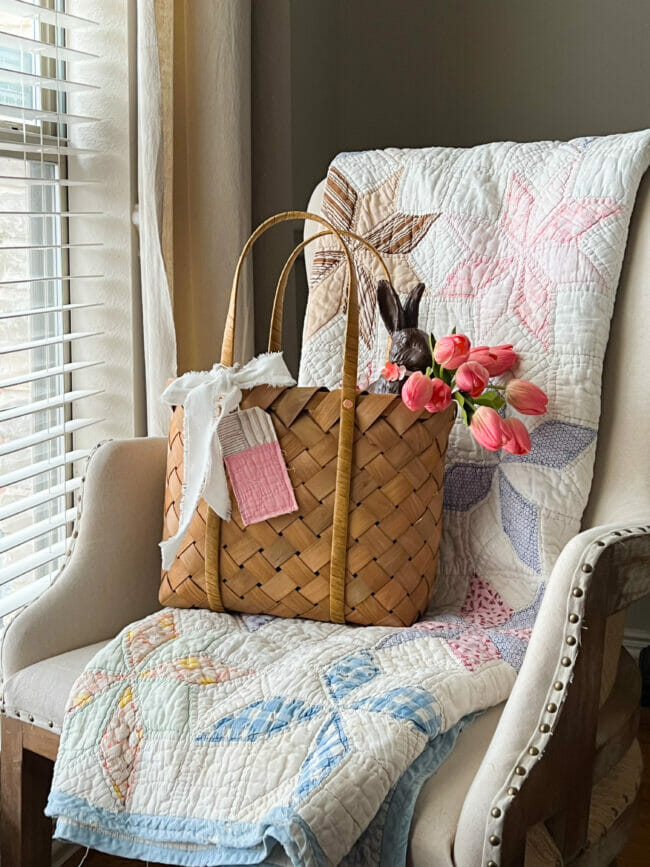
(412, 306)
(390, 307)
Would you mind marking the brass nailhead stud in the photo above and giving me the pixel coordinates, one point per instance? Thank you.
(512, 791)
(577, 591)
(492, 864)
(566, 662)
(587, 567)
(494, 840)
(347, 403)
(496, 812)
(51, 724)
(573, 618)
(521, 772)
(558, 685)
(533, 751)
(570, 640)
(18, 714)
(551, 707)
(545, 728)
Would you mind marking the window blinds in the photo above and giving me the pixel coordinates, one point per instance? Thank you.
(40, 408)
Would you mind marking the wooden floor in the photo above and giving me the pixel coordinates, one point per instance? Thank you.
(636, 853)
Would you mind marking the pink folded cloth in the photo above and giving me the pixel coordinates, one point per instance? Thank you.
(254, 461)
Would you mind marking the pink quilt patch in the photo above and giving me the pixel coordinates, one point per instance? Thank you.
(260, 483)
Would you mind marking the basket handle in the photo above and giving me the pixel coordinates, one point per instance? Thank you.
(275, 334)
(338, 555)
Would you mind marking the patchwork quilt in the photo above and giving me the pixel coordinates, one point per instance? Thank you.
(199, 738)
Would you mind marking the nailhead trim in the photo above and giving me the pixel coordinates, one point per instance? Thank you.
(573, 618)
(565, 661)
(551, 707)
(587, 567)
(496, 812)
(533, 751)
(578, 592)
(570, 640)
(544, 728)
(520, 771)
(492, 864)
(512, 791)
(494, 840)
(558, 685)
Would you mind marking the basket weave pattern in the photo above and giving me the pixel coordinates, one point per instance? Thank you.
(281, 566)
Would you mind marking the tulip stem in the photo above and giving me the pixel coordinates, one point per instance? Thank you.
(497, 387)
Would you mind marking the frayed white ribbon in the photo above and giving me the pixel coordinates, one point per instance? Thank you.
(207, 398)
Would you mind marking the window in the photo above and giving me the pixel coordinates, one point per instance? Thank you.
(41, 353)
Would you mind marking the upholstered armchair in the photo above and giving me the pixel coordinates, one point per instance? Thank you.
(549, 777)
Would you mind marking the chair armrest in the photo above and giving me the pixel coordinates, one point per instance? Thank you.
(112, 571)
(548, 724)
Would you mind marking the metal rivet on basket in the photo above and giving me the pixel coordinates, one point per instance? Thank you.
(558, 685)
(533, 751)
(494, 840)
(600, 543)
(573, 618)
(570, 640)
(545, 728)
(566, 662)
(496, 812)
(30, 718)
(17, 712)
(577, 591)
(520, 771)
(617, 533)
(587, 567)
(51, 724)
(551, 707)
(347, 403)
(512, 791)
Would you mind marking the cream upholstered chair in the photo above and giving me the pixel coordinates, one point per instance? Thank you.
(515, 790)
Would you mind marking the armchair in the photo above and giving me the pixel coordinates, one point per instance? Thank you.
(548, 777)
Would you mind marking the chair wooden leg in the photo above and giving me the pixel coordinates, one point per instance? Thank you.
(25, 778)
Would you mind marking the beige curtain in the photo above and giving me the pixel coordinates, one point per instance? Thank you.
(205, 68)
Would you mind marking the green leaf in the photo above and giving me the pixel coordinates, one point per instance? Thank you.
(490, 398)
(453, 330)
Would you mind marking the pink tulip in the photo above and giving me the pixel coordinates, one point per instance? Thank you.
(472, 377)
(487, 428)
(441, 397)
(526, 397)
(517, 437)
(496, 359)
(452, 351)
(417, 391)
(392, 372)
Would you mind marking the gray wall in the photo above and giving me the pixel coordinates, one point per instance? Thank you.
(375, 73)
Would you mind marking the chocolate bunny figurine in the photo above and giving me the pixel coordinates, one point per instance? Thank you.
(409, 344)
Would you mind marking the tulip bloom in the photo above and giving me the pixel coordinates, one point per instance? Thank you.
(526, 397)
(441, 397)
(451, 351)
(496, 359)
(487, 428)
(417, 391)
(517, 437)
(472, 377)
(392, 372)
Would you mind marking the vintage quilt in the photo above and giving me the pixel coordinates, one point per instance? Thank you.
(199, 738)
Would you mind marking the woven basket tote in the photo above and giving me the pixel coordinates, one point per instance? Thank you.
(367, 475)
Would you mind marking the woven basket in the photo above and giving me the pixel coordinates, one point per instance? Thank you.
(367, 474)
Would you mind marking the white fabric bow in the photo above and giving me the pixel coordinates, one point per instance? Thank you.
(207, 398)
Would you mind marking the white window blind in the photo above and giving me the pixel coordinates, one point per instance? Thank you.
(40, 408)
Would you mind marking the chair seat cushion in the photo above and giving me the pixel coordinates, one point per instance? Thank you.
(39, 693)
(438, 806)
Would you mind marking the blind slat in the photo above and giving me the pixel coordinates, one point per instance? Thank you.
(30, 79)
(62, 277)
(46, 373)
(38, 499)
(23, 595)
(50, 214)
(35, 531)
(49, 341)
(45, 311)
(25, 113)
(28, 564)
(41, 467)
(26, 147)
(39, 48)
(45, 435)
(47, 16)
(43, 405)
(19, 180)
(51, 246)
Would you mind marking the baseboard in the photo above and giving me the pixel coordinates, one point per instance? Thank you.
(634, 640)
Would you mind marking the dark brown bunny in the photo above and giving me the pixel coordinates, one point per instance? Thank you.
(409, 344)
